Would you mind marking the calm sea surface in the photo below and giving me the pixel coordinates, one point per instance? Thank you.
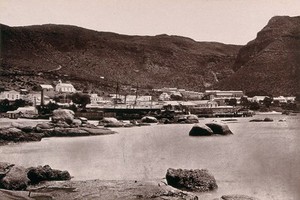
(260, 159)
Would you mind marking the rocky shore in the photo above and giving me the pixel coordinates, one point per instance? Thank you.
(108, 190)
(62, 124)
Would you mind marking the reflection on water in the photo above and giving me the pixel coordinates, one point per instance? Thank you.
(260, 159)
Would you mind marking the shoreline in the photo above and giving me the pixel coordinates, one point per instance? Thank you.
(155, 189)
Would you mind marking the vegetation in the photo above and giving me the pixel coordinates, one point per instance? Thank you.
(5, 105)
(47, 109)
(81, 99)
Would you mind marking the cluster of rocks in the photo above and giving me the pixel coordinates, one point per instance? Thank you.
(14, 177)
(147, 120)
(62, 124)
(198, 180)
(113, 122)
(209, 129)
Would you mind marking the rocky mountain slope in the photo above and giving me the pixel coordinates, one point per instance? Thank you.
(271, 62)
(46, 53)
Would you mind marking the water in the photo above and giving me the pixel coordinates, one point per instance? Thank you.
(260, 159)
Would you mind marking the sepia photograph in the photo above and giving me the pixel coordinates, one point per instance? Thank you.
(149, 100)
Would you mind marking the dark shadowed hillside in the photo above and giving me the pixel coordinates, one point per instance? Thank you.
(46, 53)
(271, 62)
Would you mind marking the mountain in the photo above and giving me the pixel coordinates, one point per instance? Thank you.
(271, 62)
(46, 53)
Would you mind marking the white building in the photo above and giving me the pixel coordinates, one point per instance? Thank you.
(95, 99)
(225, 94)
(65, 87)
(11, 95)
(205, 104)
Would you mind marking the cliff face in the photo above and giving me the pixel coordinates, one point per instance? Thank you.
(46, 53)
(271, 62)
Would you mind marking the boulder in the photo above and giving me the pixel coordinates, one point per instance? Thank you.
(15, 179)
(4, 168)
(110, 122)
(191, 180)
(267, 119)
(221, 129)
(45, 173)
(77, 122)
(149, 119)
(63, 115)
(200, 130)
(43, 126)
(188, 119)
(256, 120)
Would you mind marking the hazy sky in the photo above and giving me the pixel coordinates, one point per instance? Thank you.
(227, 21)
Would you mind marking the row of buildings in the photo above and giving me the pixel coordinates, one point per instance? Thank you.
(189, 100)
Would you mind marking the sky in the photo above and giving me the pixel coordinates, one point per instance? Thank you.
(226, 21)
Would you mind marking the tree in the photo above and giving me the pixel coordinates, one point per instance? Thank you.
(4, 105)
(244, 102)
(47, 109)
(276, 103)
(254, 106)
(232, 102)
(297, 99)
(81, 99)
(18, 103)
(268, 101)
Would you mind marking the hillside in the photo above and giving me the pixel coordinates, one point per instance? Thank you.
(271, 62)
(46, 53)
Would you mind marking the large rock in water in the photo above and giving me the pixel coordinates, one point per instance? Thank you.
(45, 173)
(63, 115)
(191, 180)
(15, 179)
(221, 129)
(200, 130)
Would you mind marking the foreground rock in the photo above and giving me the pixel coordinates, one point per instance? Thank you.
(18, 178)
(45, 173)
(200, 130)
(14, 177)
(191, 180)
(220, 129)
(236, 197)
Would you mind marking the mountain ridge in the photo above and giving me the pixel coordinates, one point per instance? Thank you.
(85, 55)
